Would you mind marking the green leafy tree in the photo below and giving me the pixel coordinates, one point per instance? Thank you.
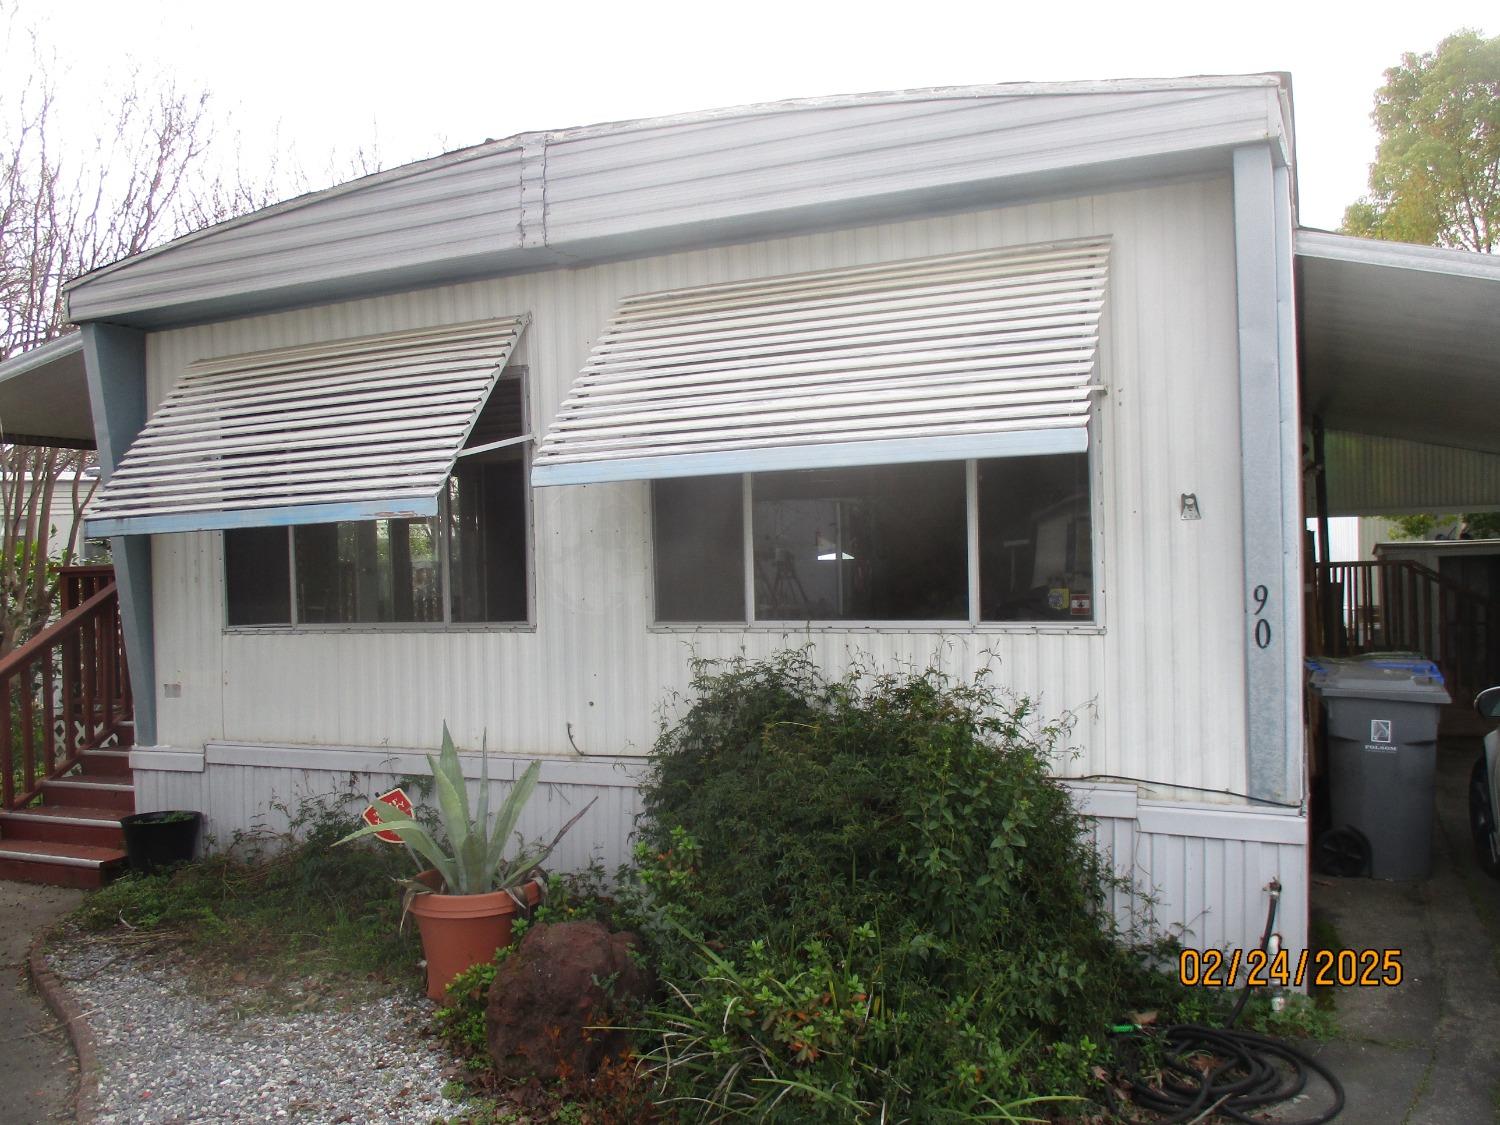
(1475, 525)
(1436, 176)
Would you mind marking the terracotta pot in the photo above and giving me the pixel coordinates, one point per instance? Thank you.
(460, 931)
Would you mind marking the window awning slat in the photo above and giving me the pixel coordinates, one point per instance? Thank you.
(857, 387)
(275, 396)
(354, 429)
(973, 325)
(981, 354)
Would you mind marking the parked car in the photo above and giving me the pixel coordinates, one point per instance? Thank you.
(1484, 796)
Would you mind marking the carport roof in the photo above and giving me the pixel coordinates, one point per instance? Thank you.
(1400, 341)
(44, 396)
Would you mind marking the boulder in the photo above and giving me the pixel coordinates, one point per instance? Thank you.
(552, 995)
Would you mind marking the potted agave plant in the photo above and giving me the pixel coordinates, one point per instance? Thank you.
(465, 901)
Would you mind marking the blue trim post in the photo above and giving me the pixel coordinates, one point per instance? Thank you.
(1270, 467)
(115, 358)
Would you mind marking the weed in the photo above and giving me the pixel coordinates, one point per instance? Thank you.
(275, 904)
(1300, 1017)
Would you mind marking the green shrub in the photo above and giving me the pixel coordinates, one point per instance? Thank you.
(867, 897)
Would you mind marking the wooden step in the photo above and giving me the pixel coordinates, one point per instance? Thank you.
(60, 865)
(98, 791)
(65, 824)
(110, 760)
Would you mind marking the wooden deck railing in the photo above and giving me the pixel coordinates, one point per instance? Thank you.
(77, 584)
(64, 691)
(1398, 605)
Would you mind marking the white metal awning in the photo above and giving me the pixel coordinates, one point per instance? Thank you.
(986, 354)
(367, 428)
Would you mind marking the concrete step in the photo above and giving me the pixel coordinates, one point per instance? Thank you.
(99, 791)
(60, 865)
(64, 824)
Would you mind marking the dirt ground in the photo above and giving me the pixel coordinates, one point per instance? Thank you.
(36, 1058)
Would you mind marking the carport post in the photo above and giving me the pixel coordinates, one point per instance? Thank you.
(115, 358)
(1322, 586)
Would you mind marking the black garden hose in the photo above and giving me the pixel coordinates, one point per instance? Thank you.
(1256, 1071)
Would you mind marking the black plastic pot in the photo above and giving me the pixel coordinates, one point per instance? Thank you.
(157, 840)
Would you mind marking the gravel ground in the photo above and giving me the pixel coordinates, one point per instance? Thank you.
(169, 1053)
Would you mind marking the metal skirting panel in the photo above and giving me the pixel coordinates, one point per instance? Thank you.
(262, 798)
(1200, 873)
(1156, 682)
(1208, 891)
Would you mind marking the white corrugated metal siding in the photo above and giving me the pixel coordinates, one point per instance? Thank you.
(978, 354)
(311, 434)
(1157, 683)
(1381, 476)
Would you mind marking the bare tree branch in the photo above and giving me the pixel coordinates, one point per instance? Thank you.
(158, 164)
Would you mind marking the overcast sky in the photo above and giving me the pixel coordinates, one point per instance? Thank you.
(415, 79)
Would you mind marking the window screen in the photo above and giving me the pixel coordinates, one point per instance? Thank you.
(888, 543)
(487, 533)
(876, 544)
(1036, 560)
(255, 570)
(699, 539)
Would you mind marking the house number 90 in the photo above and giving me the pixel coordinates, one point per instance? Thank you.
(1262, 626)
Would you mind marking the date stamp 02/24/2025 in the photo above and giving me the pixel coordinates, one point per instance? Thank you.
(1317, 968)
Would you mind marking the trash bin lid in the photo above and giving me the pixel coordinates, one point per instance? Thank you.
(1406, 677)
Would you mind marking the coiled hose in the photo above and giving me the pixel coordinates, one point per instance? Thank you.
(1256, 1071)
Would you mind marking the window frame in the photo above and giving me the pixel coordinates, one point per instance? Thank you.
(969, 624)
(527, 444)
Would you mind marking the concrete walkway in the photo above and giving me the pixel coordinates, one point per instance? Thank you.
(36, 1058)
(1428, 1051)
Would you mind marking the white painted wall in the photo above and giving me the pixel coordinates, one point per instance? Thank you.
(1158, 684)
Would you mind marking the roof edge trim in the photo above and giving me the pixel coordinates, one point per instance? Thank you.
(1329, 246)
(41, 355)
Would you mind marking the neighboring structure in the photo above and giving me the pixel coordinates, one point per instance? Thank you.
(1002, 378)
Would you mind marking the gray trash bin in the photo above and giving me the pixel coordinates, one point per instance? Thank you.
(1383, 714)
